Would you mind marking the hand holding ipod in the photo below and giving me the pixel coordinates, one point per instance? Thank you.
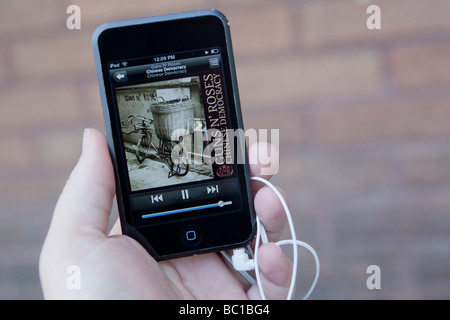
(174, 128)
(181, 179)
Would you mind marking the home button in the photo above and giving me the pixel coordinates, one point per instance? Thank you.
(191, 235)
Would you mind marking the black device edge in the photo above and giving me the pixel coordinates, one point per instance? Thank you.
(108, 125)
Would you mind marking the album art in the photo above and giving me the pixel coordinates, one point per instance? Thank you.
(165, 131)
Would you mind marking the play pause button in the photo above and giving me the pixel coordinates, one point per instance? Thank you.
(185, 194)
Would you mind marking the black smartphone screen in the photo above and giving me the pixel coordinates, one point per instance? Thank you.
(175, 132)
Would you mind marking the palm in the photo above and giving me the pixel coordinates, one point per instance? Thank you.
(117, 267)
(199, 277)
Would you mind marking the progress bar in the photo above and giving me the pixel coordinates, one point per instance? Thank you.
(206, 206)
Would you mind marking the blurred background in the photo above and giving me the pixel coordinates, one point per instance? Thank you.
(364, 119)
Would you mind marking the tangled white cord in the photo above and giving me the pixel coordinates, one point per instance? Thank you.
(242, 263)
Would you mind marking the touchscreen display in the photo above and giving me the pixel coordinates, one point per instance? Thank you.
(177, 140)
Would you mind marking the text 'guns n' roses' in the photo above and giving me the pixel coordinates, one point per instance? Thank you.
(216, 117)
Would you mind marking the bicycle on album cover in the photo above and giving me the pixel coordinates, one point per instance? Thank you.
(145, 148)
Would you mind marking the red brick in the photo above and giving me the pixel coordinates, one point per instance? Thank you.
(425, 166)
(293, 131)
(16, 154)
(396, 121)
(272, 83)
(266, 30)
(243, 5)
(340, 22)
(3, 67)
(331, 173)
(421, 65)
(56, 150)
(33, 107)
(25, 18)
(90, 102)
(31, 192)
(98, 12)
(54, 58)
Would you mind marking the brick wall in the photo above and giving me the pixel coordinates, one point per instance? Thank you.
(363, 118)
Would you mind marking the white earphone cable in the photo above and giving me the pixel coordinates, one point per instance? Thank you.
(242, 263)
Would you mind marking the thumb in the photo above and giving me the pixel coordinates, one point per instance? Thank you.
(85, 203)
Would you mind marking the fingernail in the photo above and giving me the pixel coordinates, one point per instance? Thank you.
(86, 139)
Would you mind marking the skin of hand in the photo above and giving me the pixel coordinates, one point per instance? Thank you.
(115, 266)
